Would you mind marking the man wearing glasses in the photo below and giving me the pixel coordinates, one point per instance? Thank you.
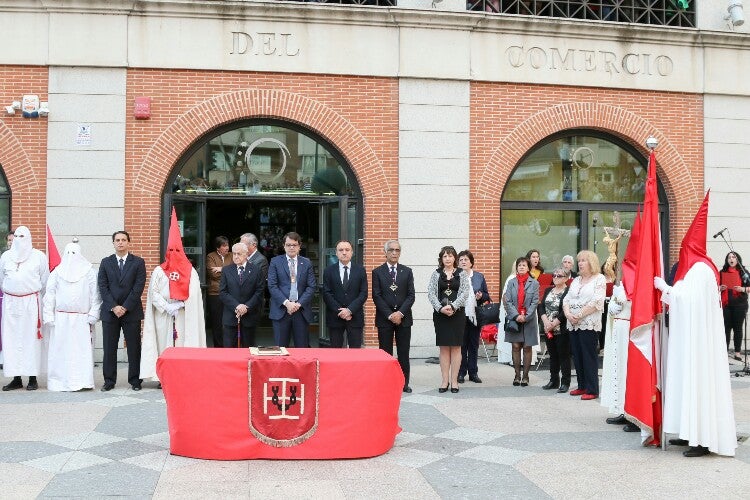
(291, 283)
(393, 294)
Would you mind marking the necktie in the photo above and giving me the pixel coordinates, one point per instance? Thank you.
(122, 263)
(345, 281)
(393, 273)
(293, 296)
(241, 272)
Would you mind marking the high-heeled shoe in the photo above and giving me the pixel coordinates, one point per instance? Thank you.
(524, 381)
(454, 390)
(443, 389)
(517, 381)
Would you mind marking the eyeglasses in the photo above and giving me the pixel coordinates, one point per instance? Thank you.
(394, 250)
(558, 275)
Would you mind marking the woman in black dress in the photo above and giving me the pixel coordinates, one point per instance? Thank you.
(449, 291)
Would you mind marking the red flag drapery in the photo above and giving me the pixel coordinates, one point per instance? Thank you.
(176, 265)
(53, 255)
(643, 386)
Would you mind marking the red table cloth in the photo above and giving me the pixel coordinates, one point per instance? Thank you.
(208, 408)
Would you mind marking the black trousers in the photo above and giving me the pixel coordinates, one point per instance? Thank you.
(247, 336)
(353, 336)
(469, 350)
(583, 343)
(110, 338)
(402, 335)
(215, 310)
(734, 319)
(558, 348)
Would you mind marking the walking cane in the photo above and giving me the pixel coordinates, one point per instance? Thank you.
(238, 331)
(174, 332)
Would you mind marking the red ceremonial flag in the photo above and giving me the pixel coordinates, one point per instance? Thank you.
(53, 256)
(176, 265)
(643, 386)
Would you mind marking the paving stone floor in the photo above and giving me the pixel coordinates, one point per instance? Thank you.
(491, 440)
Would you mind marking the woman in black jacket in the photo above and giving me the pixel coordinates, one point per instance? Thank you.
(558, 338)
(734, 300)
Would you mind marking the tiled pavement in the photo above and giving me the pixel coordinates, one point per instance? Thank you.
(489, 441)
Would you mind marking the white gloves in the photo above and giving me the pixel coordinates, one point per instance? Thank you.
(618, 293)
(661, 285)
(92, 320)
(173, 308)
(614, 308)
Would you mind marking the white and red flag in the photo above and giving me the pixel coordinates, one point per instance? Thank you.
(643, 385)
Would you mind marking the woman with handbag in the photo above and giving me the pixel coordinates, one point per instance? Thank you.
(583, 306)
(470, 346)
(521, 327)
(556, 331)
(449, 292)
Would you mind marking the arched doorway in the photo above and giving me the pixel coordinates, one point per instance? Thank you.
(566, 190)
(266, 177)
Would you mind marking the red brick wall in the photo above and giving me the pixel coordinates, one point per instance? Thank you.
(509, 119)
(23, 149)
(359, 115)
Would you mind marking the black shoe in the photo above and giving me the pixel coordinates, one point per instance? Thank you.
(563, 388)
(136, 387)
(678, 442)
(517, 381)
(618, 420)
(32, 385)
(14, 384)
(550, 385)
(407, 389)
(108, 387)
(475, 379)
(695, 451)
(461, 379)
(158, 386)
(443, 389)
(631, 427)
(524, 381)
(454, 390)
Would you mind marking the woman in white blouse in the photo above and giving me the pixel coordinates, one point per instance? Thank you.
(583, 306)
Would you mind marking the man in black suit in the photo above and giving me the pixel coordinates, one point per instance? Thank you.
(241, 291)
(345, 293)
(122, 277)
(254, 257)
(393, 294)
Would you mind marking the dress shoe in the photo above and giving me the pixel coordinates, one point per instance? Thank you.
(407, 389)
(563, 388)
(158, 386)
(695, 451)
(32, 385)
(550, 385)
(108, 387)
(517, 381)
(443, 389)
(577, 392)
(136, 387)
(461, 379)
(738, 357)
(678, 442)
(454, 390)
(631, 427)
(475, 379)
(524, 381)
(618, 420)
(589, 397)
(14, 384)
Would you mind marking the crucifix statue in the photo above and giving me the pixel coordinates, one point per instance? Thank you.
(612, 237)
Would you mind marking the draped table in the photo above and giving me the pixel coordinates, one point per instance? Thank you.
(227, 404)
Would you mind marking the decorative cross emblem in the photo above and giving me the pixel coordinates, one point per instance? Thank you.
(284, 396)
(174, 276)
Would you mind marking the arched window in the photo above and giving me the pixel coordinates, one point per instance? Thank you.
(568, 193)
(4, 209)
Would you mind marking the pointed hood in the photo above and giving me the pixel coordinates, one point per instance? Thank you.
(176, 266)
(73, 266)
(693, 247)
(21, 248)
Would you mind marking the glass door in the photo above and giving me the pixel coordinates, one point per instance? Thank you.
(334, 226)
(191, 216)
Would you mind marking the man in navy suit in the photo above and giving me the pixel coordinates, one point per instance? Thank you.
(291, 282)
(345, 293)
(122, 277)
(393, 294)
(241, 291)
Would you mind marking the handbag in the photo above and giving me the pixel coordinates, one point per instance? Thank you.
(488, 313)
(511, 326)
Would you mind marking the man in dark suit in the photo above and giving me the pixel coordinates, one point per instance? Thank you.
(291, 282)
(254, 257)
(241, 291)
(122, 277)
(393, 294)
(345, 293)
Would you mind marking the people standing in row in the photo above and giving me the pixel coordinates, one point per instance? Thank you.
(520, 302)
(345, 294)
(556, 331)
(174, 306)
(734, 300)
(449, 291)
(470, 345)
(215, 262)
(72, 306)
(241, 292)
(583, 306)
(292, 284)
(121, 280)
(23, 276)
(393, 295)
